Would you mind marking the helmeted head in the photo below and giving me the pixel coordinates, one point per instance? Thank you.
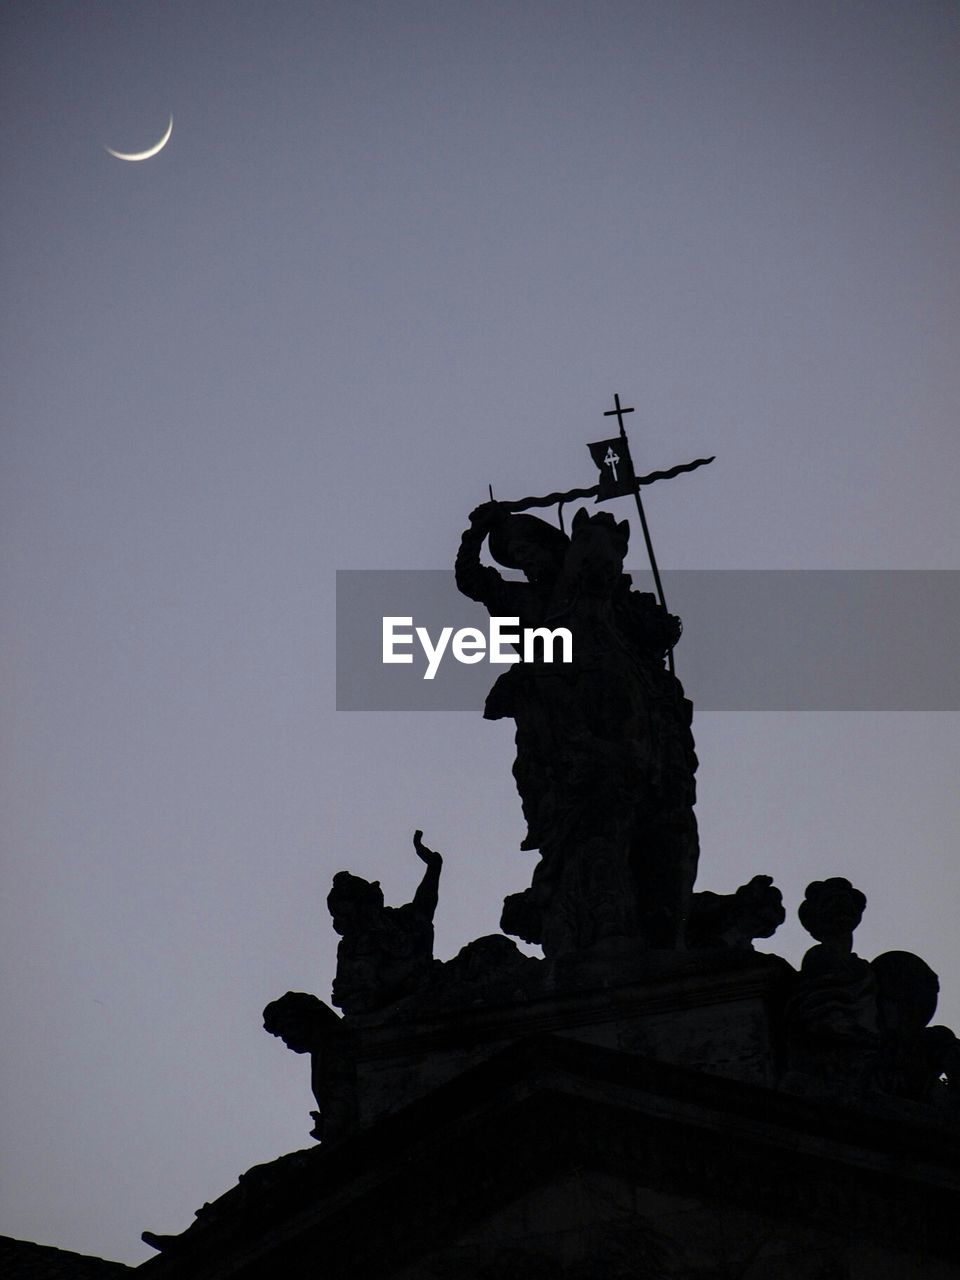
(527, 543)
(598, 545)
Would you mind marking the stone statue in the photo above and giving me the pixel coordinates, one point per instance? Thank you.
(915, 1060)
(835, 1000)
(860, 1026)
(306, 1025)
(385, 953)
(537, 549)
(605, 761)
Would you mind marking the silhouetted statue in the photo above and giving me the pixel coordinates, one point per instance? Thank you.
(861, 1026)
(830, 1017)
(306, 1025)
(537, 549)
(755, 910)
(385, 953)
(915, 1061)
(605, 761)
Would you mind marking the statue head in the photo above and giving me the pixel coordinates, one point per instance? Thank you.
(298, 1019)
(352, 901)
(598, 545)
(529, 544)
(832, 909)
(907, 991)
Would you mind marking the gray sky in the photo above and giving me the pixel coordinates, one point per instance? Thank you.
(394, 252)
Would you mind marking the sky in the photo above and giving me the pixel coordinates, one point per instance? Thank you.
(394, 253)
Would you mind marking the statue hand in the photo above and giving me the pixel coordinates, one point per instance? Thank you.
(429, 856)
(674, 629)
(488, 514)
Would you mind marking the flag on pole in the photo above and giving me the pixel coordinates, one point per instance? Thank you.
(612, 457)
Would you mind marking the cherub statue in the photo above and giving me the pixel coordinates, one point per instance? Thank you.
(840, 987)
(306, 1025)
(385, 953)
(830, 1015)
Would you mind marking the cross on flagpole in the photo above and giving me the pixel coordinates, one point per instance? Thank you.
(620, 481)
(619, 411)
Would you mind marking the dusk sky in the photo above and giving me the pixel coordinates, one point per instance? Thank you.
(392, 253)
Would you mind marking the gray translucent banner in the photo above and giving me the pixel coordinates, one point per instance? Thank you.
(753, 640)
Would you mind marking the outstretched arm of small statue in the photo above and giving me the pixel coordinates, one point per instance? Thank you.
(475, 580)
(428, 892)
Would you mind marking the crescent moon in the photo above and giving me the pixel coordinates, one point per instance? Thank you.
(150, 151)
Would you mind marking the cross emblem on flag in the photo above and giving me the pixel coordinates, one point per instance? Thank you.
(612, 458)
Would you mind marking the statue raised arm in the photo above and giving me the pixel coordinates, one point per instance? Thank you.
(385, 953)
